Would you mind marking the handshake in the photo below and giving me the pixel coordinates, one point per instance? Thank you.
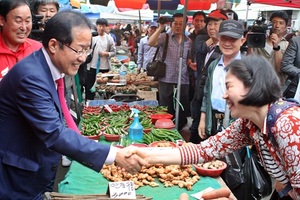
(131, 158)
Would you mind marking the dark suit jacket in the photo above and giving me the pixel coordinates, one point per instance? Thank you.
(32, 132)
(290, 66)
(201, 51)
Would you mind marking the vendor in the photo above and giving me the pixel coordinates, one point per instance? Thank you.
(104, 50)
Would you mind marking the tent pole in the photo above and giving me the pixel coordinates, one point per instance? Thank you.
(247, 10)
(180, 65)
(140, 21)
(158, 8)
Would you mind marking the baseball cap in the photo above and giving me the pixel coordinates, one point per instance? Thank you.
(231, 28)
(153, 24)
(216, 15)
(102, 21)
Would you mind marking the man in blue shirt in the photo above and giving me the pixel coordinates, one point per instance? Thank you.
(146, 52)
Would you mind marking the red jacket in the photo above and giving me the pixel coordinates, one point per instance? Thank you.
(8, 58)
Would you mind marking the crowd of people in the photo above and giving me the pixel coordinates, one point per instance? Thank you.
(216, 77)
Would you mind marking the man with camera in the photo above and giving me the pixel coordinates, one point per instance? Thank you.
(168, 83)
(46, 9)
(15, 27)
(274, 45)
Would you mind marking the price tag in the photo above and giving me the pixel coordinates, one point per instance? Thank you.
(108, 108)
(121, 190)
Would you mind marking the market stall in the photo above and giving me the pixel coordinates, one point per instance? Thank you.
(81, 180)
(125, 78)
(115, 118)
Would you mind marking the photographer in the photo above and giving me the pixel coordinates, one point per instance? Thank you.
(42, 11)
(275, 43)
(46, 9)
(168, 83)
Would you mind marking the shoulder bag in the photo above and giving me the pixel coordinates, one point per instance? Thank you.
(89, 58)
(157, 68)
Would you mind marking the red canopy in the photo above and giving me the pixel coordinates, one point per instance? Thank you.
(282, 3)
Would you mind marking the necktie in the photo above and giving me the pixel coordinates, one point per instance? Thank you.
(61, 94)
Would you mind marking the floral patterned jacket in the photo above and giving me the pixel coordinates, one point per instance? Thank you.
(282, 162)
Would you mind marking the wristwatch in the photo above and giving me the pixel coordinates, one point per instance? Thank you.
(276, 48)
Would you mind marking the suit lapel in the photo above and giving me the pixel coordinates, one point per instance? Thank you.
(48, 76)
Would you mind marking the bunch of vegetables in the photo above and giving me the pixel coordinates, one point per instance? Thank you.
(157, 134)
(95, 121)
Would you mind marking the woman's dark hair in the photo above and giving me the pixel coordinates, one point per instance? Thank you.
(7, 5)
(60, 26)
(259, 76)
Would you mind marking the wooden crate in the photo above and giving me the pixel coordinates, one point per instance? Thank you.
(148, 95)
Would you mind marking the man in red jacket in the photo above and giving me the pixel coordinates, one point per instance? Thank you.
(15, 27)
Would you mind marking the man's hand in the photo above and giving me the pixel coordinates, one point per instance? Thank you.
(104, 53)
(275, 39)
(201, 127)
(129, 160)
(193, 66)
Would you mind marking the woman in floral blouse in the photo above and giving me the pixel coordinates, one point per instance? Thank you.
(252, 87)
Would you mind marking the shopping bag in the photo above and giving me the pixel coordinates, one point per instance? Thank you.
(257, 181)
(233, 175)
(156, 69)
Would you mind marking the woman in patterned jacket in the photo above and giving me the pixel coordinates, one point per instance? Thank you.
(252, 89)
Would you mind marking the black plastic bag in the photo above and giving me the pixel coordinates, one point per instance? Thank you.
(258, 183)
(233, 175)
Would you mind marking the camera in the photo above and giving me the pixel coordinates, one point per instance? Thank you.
(37, 27)
(37, 22)
(163, 20)
(256, 37)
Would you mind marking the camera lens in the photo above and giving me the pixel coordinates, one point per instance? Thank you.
(257, 40)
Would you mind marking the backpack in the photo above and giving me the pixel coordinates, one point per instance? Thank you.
(275, 110)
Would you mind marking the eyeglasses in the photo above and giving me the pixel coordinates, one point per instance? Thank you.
(79, 52)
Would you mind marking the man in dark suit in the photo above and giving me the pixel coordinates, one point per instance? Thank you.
(290, 66)
(32, 131)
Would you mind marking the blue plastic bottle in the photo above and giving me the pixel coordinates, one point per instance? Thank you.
(135, 129)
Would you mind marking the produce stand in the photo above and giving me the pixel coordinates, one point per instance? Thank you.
(108, 84)
(82, 180)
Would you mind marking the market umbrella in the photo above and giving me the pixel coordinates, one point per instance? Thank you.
(132, 5)
(282, 3)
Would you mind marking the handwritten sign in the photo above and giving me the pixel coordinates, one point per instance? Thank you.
(121, 190)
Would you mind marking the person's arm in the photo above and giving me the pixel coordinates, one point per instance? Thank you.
(233, 138)
(154, 37)
(278, 54)
(201, 126)
(111, 50)
(291, 55)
